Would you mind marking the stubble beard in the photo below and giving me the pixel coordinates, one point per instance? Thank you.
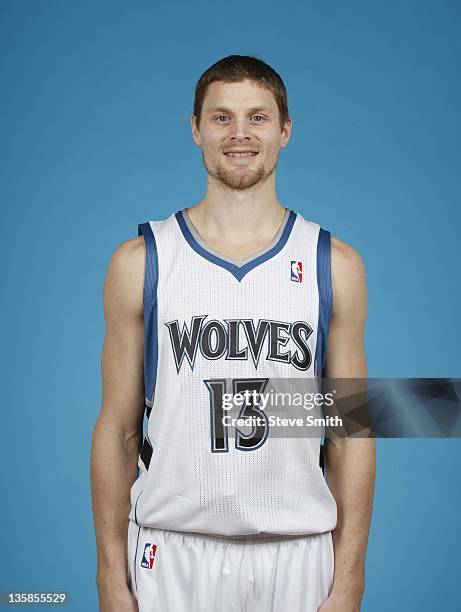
(240, 178)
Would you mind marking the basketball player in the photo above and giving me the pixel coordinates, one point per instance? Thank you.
(224, 297)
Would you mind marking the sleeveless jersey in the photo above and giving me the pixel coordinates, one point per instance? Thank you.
(213, 326)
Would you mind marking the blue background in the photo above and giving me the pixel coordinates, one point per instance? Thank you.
(95, 106)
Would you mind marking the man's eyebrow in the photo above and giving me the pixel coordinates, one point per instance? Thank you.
(251, 111)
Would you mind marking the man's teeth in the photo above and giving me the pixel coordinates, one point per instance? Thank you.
(246, 154)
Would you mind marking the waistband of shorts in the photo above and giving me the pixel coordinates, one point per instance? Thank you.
(253, 538)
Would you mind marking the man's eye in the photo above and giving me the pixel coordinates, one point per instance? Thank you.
(258, 118)
(222, 118)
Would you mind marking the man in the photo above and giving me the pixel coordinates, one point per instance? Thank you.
(226, 296)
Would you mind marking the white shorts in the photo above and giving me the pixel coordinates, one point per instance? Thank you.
(171, 571)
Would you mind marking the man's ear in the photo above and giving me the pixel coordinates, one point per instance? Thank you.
(195, 132)
(286, 132)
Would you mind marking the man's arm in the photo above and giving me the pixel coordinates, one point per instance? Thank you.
(349, 462)
(118, 430)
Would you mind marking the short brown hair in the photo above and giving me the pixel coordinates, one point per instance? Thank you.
(236, 68)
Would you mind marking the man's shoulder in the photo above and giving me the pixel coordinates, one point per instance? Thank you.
(132, 252)
(347, 273)
(345, 257)
(129, 253)
(126, 265)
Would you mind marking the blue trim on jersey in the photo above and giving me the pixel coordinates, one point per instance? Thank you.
(150, 311)
(238, 271)
(325, 298)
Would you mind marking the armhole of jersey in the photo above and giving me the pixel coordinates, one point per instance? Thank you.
(150, 327)
(325, 292)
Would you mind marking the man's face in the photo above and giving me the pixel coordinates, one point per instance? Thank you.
(240, 134)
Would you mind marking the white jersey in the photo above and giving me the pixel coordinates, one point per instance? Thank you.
(216, 326)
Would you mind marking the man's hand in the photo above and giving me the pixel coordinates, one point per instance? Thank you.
(341, 602)
(116, 599)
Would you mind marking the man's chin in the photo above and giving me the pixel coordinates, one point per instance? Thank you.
(239, 179)
(239, 182)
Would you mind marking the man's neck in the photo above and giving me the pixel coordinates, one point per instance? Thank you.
(238, 223)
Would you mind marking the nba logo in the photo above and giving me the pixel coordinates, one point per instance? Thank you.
(147, 560)
(297, 271)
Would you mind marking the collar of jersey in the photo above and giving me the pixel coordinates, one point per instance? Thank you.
(237, 271)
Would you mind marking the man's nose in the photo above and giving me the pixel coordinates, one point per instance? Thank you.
(240, 130)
